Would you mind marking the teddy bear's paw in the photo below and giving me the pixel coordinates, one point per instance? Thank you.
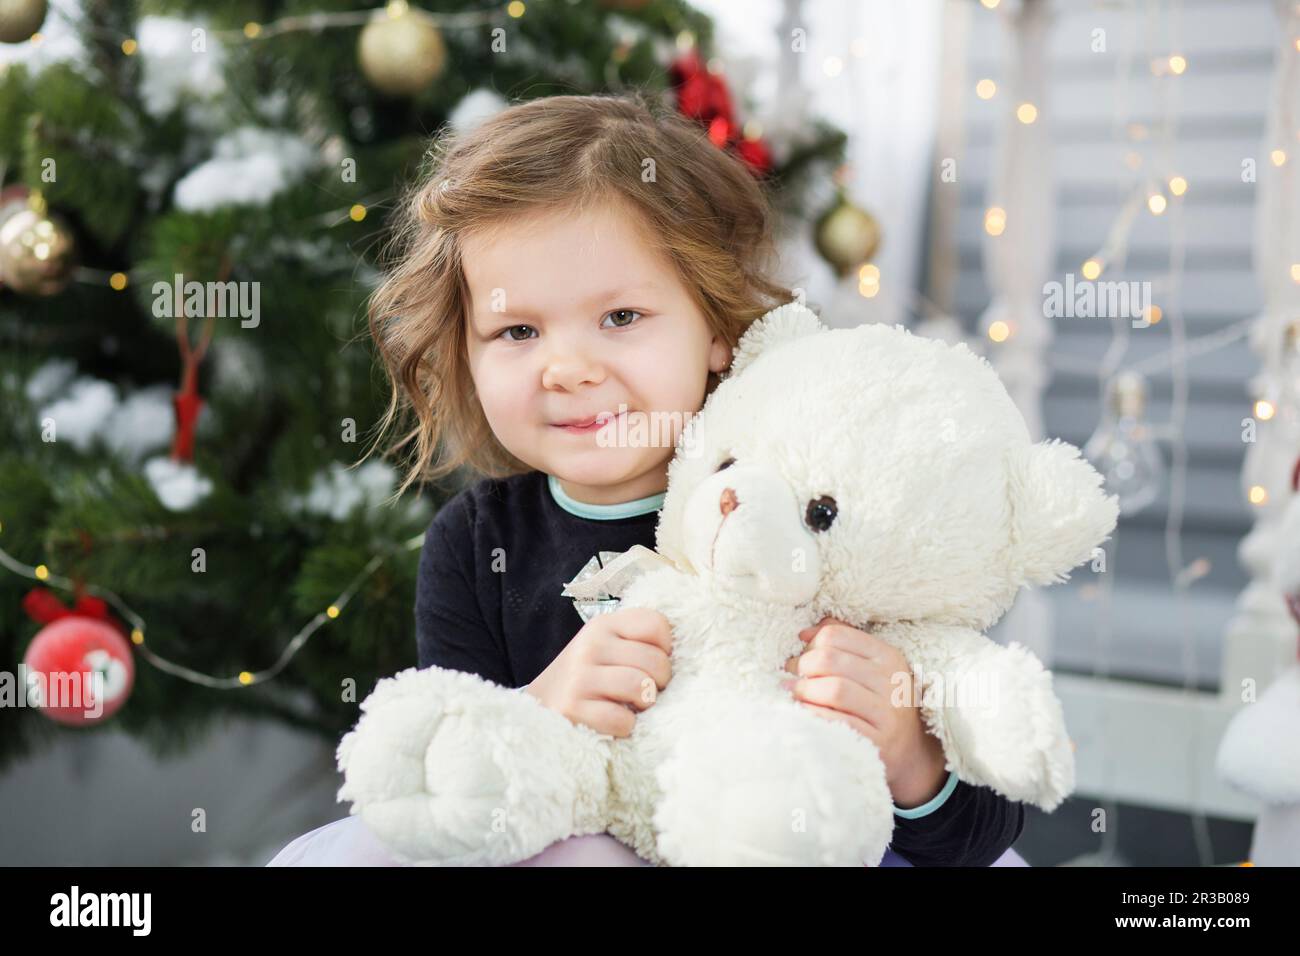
(455, 770)
(1006, 730)
(780, 788)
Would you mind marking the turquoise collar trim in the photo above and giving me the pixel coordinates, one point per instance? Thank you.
(934, 803)
(624, 509)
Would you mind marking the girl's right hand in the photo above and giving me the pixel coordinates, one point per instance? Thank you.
(613, 667)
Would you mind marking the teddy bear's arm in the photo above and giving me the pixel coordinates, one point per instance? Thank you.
(993, 710)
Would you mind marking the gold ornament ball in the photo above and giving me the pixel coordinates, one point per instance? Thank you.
(19, 19)
(847, 236)
(401, 55)
(36, 253)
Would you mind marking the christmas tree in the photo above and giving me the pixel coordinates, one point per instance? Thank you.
(192, 217)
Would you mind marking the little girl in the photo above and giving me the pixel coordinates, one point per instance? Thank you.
(574, 261)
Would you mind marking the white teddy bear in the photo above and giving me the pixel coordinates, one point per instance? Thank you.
(868, 474)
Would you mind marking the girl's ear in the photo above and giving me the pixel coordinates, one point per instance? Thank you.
(784, 323)
(719, 355)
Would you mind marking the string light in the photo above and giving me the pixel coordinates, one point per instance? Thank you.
(357, 212)
(1203, 345)
(253, 30)
(1278, 156)
(869, 280)
(1178, 185)
(999, 331)
(1091, 269)
(995, 220)
(1156, 203)
(245, 678)
(985, 89)
(129, 46)
(1026, 113)
(1177, 64)
(117, 281)
(1264, 409)
(1258, 494)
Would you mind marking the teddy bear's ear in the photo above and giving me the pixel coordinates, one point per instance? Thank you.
(785, 322)
(1059, 512)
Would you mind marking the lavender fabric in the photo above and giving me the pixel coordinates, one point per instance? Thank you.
(347, 842)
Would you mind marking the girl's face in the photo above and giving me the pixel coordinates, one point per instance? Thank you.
(573, 316)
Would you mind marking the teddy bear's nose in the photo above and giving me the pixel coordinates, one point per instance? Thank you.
(728, 502)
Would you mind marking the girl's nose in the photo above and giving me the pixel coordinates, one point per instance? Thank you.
(569, 372)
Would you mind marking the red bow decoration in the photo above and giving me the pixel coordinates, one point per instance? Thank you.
(43, 606)
(705, 98)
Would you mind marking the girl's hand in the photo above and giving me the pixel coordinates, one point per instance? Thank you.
(848, 675)
(613, 667)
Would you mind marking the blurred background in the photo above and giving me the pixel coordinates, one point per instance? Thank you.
(1100, 198)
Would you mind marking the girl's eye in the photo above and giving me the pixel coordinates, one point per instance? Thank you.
(505, 332)
(726, 464)
(622, 325)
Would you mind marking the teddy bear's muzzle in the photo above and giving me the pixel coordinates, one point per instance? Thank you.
(744, 528)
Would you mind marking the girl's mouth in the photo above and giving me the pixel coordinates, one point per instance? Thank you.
(594, 425)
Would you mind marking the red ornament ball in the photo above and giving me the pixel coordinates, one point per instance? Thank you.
(79, 670)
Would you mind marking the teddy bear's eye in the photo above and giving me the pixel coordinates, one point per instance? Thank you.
(726, 464)
(821, 513)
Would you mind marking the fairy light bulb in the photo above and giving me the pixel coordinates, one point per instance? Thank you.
(995, 220)
(1123, 448)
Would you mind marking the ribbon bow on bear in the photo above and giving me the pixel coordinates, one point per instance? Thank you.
(597, 587)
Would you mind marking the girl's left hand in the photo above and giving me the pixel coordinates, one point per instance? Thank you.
(849, 675)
